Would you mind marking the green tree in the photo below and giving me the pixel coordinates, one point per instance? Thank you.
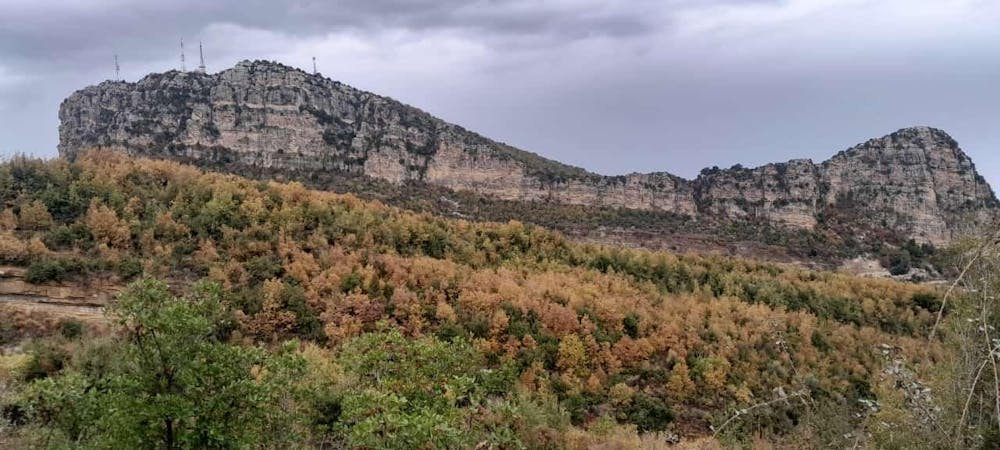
(178, 384)
(415, 393)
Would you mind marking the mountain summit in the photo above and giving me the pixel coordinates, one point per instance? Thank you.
(269, 120)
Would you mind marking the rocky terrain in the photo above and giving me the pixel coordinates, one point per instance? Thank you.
(269, 120)
(77, 301)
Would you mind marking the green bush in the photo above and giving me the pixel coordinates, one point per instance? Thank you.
(60, 269)
(264, 268)
(170, 382)
(631, 324)
(45, 270)
(66, 237)
(47, 359)
(648, 413)
(129, 268)
(415, 393)
(71, 329)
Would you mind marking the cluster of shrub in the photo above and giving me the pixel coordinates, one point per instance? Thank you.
(541, 341)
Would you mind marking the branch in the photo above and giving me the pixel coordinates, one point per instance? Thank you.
(992, 356)
(979, 253)
(745, 411)
(965, 410)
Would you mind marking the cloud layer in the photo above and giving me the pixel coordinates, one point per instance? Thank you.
(612, 86)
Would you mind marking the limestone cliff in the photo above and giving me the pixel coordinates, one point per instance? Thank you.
(267, 119)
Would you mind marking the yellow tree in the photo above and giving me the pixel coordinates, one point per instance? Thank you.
(572, 355)
(679, 385)
(35, 216)
(106, 227)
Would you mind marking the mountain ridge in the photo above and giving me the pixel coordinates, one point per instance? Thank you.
(262, 117)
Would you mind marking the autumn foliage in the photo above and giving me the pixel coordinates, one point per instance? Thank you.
(656, 340)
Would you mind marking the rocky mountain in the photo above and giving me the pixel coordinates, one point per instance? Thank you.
(270, 120)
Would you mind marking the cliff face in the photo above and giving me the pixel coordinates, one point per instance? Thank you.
(262, 117)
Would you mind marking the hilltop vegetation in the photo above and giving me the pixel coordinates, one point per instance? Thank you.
(373, 327)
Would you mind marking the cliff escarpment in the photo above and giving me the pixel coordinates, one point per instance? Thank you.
(270, 120)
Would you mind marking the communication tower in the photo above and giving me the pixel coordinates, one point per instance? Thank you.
(201, 58)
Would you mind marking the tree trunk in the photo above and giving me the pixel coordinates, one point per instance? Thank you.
(169, 436)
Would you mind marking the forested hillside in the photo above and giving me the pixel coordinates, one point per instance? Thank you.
(335, 322)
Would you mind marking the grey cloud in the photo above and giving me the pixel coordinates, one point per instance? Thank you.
(614, 86)
(36, 35)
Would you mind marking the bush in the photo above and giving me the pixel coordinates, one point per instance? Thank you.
(927, 300)
(898, 261)
(264, 268)
(47, 359)
(648, 413)
(7, 332)
(66, 237)
(45, 270)
(413, 393)
(71, 329)
(34, 216)
(129, 268)
(631, 324)
(49, 269)
(201, 393)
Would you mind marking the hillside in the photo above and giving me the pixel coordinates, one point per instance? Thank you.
(271, 121)
(440, 332)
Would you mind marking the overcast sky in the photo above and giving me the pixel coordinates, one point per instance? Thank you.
(614, 86)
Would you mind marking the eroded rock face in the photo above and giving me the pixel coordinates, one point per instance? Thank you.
(261, 117)
(916, 179)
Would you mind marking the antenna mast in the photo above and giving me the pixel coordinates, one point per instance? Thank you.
(315, 72)
(201, 57)
(118, 70)
(183, 64)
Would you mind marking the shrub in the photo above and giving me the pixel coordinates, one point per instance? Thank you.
(631, 324)
(648, 413)
(264, 268)
(927, 300)
(173, 384)
(47, 359)
(14, 367)
(71, 329)
(411, 393)
(45, 270)
(128, 268)
(12, 249)
(54, 269)
(35, 216)
(65, 237)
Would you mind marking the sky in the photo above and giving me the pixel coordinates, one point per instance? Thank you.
(613, 86)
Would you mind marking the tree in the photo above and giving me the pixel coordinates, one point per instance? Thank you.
(35, 216)
(176, 383)
(679, 385)
(415, 393)
(572, 355)
(107, 228)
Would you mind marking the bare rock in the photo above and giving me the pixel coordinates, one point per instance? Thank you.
(266, 119)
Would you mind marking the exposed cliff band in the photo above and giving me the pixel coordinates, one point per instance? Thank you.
(263, 116)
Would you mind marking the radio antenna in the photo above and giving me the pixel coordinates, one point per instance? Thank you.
(183, 64)
(315, 72)
(201, 57)
(118, 70)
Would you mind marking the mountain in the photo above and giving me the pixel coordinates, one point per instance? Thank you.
(268, 120)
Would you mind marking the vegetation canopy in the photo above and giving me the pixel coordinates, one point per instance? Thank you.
(299, 318)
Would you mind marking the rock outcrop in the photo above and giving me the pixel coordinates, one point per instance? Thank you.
(266, 118)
